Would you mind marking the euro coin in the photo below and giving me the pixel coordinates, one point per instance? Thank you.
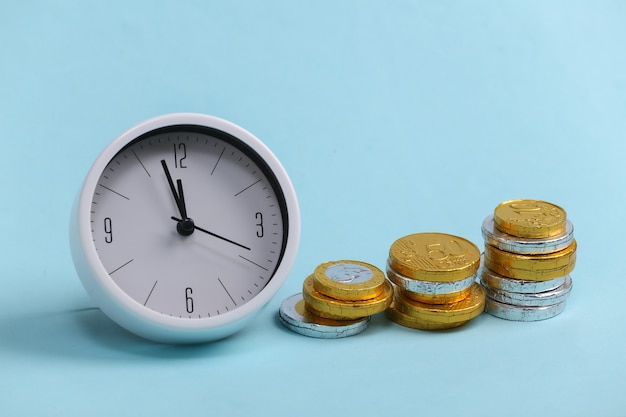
(489, 278)
(495, 237)
(539, 299)
(294, 316)
(530, 218)
(435, 257)
(349, 280)
(447, 298)
(420, 323)
(331, 308)
(443, 315)
(522, 313)
(540, 267)
(428, 287)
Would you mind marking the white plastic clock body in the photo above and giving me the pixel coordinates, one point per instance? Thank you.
(185, 227)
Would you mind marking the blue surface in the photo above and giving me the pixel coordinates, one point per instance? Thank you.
(391, 118)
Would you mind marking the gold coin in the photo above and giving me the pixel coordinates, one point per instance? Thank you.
(309, 317)
(437, 257)
(332, 308)
(431, 292)
(541, 267)
(530, 218)
(405, 320)
(449, 315)
(349, 280)
(452, 297)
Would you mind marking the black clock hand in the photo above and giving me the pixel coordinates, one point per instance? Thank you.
(185, 227)
(179, 202)
(210, 233)
(181, 198)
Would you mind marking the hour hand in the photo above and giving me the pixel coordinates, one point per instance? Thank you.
(185, 225)
(181, 200)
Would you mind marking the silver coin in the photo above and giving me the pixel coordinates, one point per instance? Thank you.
(493, 280)
(521, 313)
(428, 287)
(297, 319)
(506, 242)
(540, 299)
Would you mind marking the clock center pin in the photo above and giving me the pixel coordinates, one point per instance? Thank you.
(185, 227)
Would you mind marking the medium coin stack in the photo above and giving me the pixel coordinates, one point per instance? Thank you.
(337, 300)
(434, 276)
(529, 252)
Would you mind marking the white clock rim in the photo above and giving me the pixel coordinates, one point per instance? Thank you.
(126, 311)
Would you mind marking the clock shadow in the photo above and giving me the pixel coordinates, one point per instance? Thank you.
(88, 334)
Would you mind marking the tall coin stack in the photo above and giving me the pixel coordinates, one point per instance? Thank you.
(529, 252)
(434, 276)
(337, 300)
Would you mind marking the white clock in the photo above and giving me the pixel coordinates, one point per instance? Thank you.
(185, 227)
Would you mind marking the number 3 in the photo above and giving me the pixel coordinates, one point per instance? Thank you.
(259, 217)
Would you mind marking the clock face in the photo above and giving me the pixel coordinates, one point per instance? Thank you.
(189, 221)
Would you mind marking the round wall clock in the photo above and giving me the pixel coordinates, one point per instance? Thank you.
(185, 227)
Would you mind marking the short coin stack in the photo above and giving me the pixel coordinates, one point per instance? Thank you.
(434, 276)
(529, 252)
(337, 300)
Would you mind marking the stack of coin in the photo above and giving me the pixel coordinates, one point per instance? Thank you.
(529, 252)
(337, 300)
(434, 276)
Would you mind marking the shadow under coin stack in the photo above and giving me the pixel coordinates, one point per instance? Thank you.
(529, 252)
(337, 300)
(434, 276)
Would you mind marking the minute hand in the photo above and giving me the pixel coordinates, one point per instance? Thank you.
(214, 234)
(178, 196)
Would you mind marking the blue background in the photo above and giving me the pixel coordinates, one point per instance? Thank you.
(391, 118)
